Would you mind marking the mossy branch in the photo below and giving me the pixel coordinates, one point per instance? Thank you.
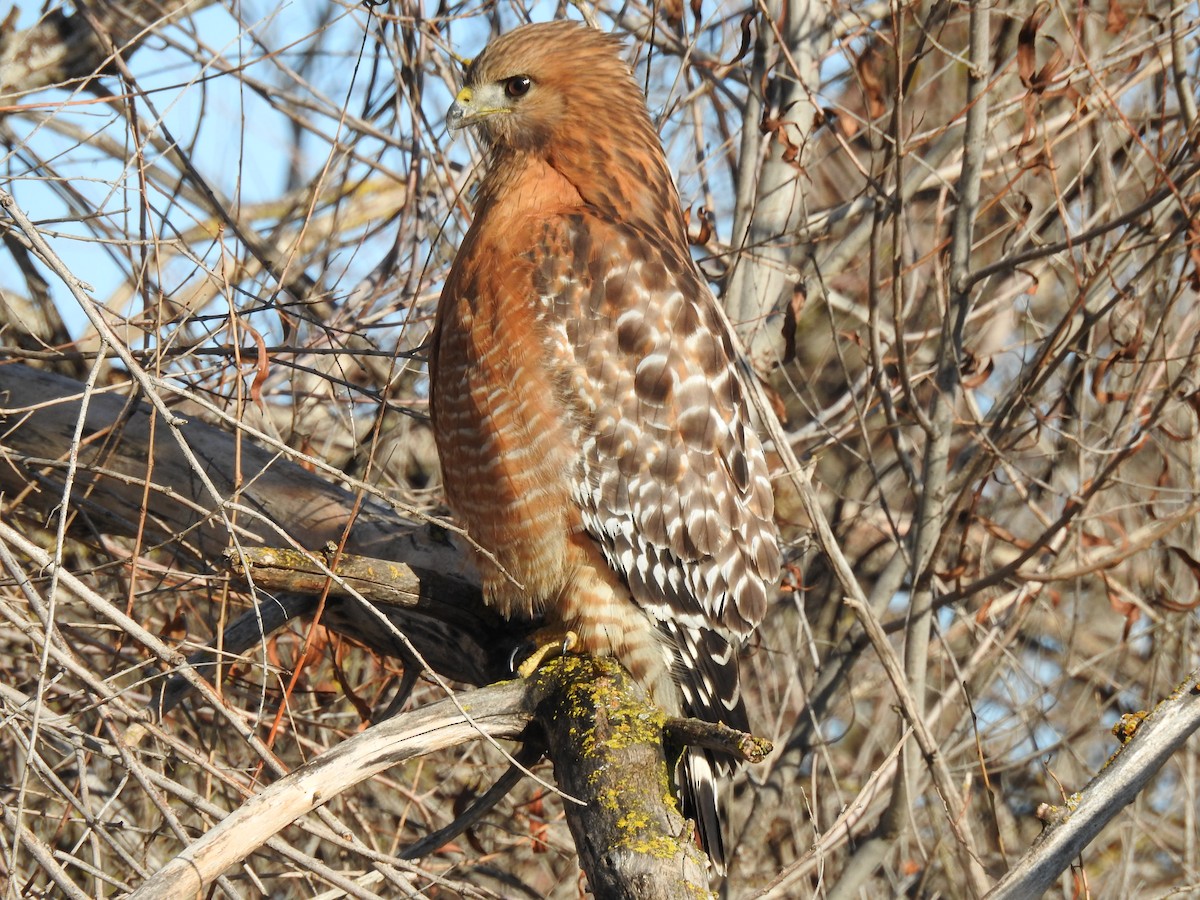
(605, 739)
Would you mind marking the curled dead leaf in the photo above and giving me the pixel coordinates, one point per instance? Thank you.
(1026, 44)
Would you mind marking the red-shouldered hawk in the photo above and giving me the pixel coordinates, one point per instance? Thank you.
(592, 427)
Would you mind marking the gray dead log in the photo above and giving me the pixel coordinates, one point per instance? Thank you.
(437, 603)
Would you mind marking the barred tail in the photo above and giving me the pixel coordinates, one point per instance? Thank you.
(706, 670)
(699, 791)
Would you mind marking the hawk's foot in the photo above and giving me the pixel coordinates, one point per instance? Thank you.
(547, 644)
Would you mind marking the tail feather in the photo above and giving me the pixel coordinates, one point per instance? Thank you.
(699, 792)
(706, 670)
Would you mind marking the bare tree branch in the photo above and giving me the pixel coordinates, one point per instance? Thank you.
(500, 711)
(1071, 827)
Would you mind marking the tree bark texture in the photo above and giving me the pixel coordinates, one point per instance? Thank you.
(605, 739)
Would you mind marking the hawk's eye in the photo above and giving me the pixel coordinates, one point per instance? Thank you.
(517, 86)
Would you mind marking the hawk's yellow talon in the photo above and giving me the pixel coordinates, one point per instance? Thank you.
(548, 651)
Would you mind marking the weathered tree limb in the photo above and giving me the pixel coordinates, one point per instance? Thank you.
(769, 218)
(443, 616)
(1164, 731)
(281, 569)
(604, 738)
(501, 711)
(61, 48)
(719, 737)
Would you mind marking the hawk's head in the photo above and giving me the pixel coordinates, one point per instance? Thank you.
(539, 82)
(562, 93)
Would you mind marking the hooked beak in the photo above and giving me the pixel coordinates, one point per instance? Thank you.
(472, 106)
(459, 110)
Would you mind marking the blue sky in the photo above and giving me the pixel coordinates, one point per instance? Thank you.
(235, 138)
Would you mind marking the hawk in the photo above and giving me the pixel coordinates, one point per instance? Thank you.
(591, 422)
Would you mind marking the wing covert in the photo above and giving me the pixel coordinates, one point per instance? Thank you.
(671, 479)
